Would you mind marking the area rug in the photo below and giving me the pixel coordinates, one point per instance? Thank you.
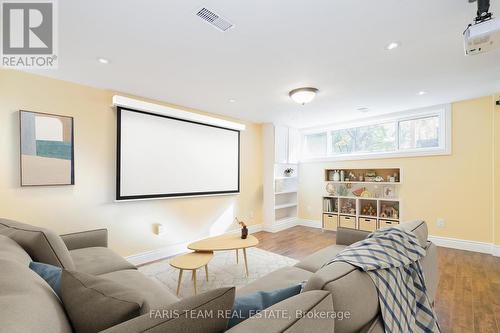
(223, 271)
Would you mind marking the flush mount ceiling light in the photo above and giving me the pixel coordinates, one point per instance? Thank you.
(392, 45)
(103, 61)
(303, 95)
(232, 100)
(421, 93)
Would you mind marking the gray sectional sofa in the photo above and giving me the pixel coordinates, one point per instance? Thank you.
(28, 304)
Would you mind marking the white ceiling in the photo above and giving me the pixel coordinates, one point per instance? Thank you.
(161, 50)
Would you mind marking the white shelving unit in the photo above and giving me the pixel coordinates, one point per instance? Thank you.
(280, 145)
(359, 212)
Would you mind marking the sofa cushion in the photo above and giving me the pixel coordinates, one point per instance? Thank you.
(41, 244)
(316, 260)
(98, 260)
(352, 290)
(10, 250)
(154, 294)
(27, 303)
(51, 274)
(94, 303)
(281, 278)
(418, 227)
(206, 313)
(246, 306)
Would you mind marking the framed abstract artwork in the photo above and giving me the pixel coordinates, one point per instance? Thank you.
(47, 151)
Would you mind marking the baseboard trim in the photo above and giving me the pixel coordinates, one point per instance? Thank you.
(162, 253)
(462, 244)
(285, 224)
(495, 250)
(176, 249)
(310, 223)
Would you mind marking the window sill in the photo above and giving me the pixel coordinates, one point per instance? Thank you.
(374, 156)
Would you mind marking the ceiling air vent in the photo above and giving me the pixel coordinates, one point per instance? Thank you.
(214, 19)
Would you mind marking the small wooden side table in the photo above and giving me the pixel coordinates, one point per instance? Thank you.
(191, 261)
(226, 243)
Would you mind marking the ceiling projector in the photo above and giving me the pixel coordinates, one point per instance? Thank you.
(484, 34)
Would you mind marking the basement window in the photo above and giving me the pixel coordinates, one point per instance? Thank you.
(413, 133)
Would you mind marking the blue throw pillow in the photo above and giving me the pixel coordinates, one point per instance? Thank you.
(249, 305)
(51, 274)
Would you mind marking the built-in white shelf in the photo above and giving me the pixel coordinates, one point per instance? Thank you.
(362, 212)
(280, 149)
(371, 183)
(286, 219)
(362, 198)
(285, 206)
(285, 192)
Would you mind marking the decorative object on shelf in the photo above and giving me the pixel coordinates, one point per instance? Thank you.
(342, 175)
(357, 192)
(342, 191)
(366, 194)
(336, 176)
(389, 211)
(47, 153)
(330, 188)
(371, 173)
(244, 229)
(288, 172)
(379, 179)
(360, 178)
(396, 177)
(352, 176)
(348, 207)
(388, 191)
(392, 179)
(369, 210)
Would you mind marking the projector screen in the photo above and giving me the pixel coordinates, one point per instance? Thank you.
(160, 156)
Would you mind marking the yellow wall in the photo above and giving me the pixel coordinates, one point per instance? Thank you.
(90, 202)
(456, 187)
(497, 172)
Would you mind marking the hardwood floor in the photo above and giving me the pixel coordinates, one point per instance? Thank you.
(468, 297)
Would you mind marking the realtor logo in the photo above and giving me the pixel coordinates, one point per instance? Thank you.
(29, 34)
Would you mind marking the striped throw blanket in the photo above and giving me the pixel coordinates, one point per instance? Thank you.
(391, 258)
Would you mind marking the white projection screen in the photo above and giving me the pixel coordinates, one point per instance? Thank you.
(160, 157)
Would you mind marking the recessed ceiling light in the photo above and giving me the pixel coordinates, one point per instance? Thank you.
(363, 109)
(303, 95)
(392, 45)
(103, 61)
(420, 93)
(232, 100)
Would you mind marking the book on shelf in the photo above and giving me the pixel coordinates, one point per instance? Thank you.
(329, 205)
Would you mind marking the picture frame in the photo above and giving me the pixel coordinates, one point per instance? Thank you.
(46, 149)
(388, 192)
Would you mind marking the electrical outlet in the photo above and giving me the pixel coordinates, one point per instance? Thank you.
(440, 223)
(160, 229)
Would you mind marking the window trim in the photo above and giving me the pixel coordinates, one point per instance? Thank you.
(442, 111)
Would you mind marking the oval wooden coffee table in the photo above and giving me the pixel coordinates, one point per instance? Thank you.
(191, 261)
(226, 243)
